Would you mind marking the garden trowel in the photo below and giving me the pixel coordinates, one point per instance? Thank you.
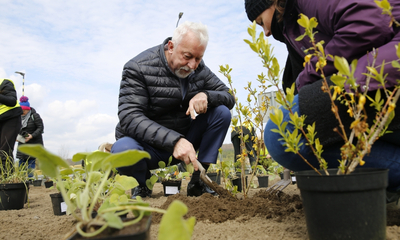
(205, 178)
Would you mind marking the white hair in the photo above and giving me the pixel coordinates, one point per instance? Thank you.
(198, 29)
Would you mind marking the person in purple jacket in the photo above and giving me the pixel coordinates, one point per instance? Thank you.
(350, 29)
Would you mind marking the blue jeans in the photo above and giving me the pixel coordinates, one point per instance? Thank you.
(207, 133)
(385, 153)
(30, 166)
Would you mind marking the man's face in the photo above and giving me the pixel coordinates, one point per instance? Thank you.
(184, 58)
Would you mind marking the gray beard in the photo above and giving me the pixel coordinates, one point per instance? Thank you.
(180, 75)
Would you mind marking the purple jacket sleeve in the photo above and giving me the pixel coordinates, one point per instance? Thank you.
(349, 28)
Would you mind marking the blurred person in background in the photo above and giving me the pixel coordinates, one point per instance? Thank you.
(10, 120)
(31, 132)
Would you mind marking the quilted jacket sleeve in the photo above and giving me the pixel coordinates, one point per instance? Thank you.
(350, 29)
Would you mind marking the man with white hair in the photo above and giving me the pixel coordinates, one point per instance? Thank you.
(172, 104)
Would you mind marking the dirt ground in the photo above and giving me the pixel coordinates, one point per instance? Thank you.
(259, 216)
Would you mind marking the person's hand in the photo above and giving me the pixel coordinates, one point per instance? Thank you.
(184, 151)
(29, 137)
(198, 104)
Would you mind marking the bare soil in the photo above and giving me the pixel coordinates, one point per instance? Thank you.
(259, 216)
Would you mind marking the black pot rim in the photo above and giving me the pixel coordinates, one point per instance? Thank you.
(360, 180)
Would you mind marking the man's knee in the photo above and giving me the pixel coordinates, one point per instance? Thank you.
(224, 113)
(124, 144)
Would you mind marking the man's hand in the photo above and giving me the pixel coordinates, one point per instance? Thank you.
(184, 151)
(198, 104)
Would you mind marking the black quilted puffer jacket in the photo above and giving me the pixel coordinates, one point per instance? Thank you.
(152, 108)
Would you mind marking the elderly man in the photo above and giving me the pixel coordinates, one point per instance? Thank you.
(171, 103)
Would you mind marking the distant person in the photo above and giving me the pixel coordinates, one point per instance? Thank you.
(31, 132)
(162, 91)
(10, 120)
(235, 139)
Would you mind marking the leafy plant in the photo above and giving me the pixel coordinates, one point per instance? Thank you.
(97, 190)
(169, 172)
(251, 114)
(11, 172)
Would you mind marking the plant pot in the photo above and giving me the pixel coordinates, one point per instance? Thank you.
(262, 181)
(344, 206)
(48, 184)
(171, 187)
(137, 231)
(37, 183)
(12, 196)
(216, 177)
(59, 206)
(238, 182)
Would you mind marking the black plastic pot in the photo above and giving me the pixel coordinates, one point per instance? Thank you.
(171, 187)
(140, 231)
(238, 182)
(344, 206)
(48, 184)
(37, 183)
(216, 177)
(262, 181)
(59, 207)
(12, 196)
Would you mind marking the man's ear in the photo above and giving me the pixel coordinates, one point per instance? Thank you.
(170, 46)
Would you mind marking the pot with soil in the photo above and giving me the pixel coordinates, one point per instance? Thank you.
(262, 181)
(351, 206)
(37, 183)
(12, 196)
(216, 177)
(48, 184)
(138, 231)
(59, 206)
(238, 182)
(171, 187)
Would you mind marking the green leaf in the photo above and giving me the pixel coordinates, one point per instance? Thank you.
(126, 158)
(338, 80)
(313, 22)
(49, 163)
(173, 219)
(80, 156)
(396, 64)
(113, 220)
(126, 182)
(150, 182)
(299, 38)
(303, 21)
(96, 160)
(94, 177)
(342, 65)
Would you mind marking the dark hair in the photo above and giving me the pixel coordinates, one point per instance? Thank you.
(280, 7)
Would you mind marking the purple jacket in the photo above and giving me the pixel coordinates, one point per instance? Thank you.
(350, 28)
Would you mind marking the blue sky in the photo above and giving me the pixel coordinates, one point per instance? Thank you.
(72, 53)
